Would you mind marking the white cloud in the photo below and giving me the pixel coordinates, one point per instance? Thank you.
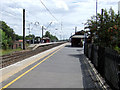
(71, 12)
(61, 4)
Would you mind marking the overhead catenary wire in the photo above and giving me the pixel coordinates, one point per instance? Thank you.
(48, 10)
(31, 24)
(29, 13)
(10, 14)
(41, 19)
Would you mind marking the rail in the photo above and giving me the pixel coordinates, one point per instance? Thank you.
(18, 56)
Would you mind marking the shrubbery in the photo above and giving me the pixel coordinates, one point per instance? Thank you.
(7, 36)
(106, 31)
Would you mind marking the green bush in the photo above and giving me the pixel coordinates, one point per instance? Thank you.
(117, 49)
(106, 31)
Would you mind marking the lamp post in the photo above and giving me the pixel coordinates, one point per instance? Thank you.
(96, 21)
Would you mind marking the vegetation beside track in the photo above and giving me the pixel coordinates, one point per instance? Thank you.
(9, 51)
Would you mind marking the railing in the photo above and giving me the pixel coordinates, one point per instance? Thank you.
(106, 61)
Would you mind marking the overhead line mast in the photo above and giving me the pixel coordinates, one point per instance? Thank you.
(23, 29)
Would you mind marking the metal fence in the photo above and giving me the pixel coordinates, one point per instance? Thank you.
(112, 59)
(106, 61)
(86, 49)
(95, 56)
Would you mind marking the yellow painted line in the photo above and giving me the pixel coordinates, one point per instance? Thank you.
(29, 70)
(4, 77)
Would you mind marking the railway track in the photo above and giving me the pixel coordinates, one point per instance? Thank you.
(7, 60)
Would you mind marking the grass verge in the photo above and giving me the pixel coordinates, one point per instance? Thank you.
(8, 51)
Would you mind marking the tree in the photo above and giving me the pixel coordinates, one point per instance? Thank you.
(105, 31)
(3, 40)
(47, 34)
(30, 37)
(17, 37)
(52, 38)
(8, 31)
(8, 35)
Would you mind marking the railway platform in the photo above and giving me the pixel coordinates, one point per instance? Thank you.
(60, 67)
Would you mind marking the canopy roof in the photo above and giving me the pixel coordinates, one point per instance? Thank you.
(77, 36)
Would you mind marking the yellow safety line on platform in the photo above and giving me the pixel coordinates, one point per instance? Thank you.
(29, 64)
(30, 69)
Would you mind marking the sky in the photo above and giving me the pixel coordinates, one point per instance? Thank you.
(65, 15)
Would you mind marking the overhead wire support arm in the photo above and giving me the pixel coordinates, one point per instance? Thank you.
(48, 25)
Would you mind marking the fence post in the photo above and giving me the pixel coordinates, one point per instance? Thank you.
(119, 76)
(101, 60)
(92, 52)
(84, 48)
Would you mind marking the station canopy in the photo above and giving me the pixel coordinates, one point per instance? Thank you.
(78, 36)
